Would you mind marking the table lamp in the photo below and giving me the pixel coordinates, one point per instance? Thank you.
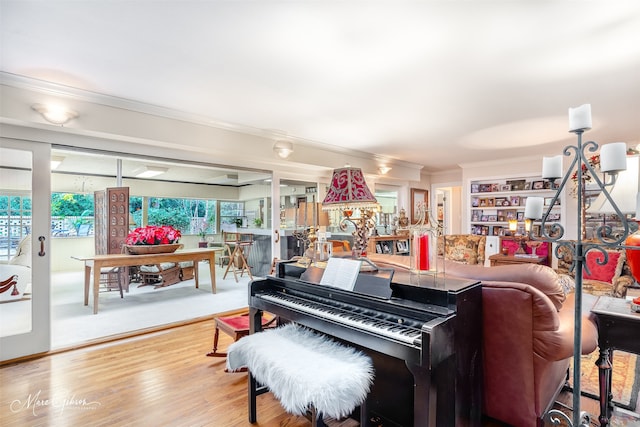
(349, 192)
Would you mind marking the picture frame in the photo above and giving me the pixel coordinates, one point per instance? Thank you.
(537, 185)
(517, 184)
(505, 187)
(402, 246)
(535, 230)
(553, 217)
(419, 197)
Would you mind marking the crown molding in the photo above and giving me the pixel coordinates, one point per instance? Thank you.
(59, 90)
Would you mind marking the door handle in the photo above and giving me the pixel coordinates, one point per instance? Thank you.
(41, 239)
(277, 232)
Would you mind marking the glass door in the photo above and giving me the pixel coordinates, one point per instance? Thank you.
(24, 248)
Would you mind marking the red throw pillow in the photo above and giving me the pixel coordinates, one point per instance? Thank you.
(603, 273)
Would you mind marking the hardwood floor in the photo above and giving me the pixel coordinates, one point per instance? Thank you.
(162, 378)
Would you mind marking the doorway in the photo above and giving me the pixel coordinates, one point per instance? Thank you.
(25, 237)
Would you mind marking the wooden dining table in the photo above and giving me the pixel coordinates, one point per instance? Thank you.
(95, 263)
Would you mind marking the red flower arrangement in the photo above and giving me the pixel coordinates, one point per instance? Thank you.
(153, 235)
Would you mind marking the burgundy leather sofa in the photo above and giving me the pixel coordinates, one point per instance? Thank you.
(528, 328)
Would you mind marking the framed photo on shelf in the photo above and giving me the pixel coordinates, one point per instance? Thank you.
(475, 188)
(517, 184)
(418, 198)
(553, 217)
(505, 187)
(537, 185)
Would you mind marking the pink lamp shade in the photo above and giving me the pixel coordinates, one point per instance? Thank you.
(349, 190)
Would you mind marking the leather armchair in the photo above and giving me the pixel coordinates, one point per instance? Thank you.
(528, 327)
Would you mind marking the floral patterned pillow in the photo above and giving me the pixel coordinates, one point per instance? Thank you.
(464, 248)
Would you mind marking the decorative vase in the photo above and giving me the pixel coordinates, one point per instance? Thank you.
(151, 249)
(633, 255)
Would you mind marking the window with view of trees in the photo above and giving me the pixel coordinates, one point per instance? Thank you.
(15, 223)
(190, 216)
(72, 215)
(231, 213)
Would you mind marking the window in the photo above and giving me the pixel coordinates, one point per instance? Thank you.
(15, 223)
(232, 213)
(72, 214)
(190, 216)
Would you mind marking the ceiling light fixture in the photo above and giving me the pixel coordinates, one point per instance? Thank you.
(56, 161)
(149, 171)
(384, 170)
(56, 114)
(283, 149)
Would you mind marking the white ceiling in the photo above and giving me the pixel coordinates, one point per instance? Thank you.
(437, 83)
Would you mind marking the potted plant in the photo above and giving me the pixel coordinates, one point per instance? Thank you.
(203, 240)
(258, 222)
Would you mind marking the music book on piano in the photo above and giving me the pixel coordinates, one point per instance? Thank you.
(341, 273)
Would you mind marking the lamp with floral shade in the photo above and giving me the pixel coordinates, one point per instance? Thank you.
(347, 193)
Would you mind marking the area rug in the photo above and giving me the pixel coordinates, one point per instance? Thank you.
(625, 383)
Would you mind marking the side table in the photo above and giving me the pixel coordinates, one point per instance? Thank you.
(499, 259)
(618, 328)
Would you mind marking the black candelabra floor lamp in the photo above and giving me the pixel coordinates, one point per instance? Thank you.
(612, 161)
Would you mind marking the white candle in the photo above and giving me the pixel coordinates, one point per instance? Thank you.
(613, 157)
(533, 208)
(552, 167)
(580, 117)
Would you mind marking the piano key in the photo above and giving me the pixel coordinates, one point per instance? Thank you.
(326, 309)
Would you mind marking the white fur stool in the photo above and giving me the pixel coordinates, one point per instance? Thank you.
(304, 370)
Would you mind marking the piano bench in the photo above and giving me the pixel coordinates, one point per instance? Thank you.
(306, 372)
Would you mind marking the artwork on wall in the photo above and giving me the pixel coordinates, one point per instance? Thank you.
(419, 198)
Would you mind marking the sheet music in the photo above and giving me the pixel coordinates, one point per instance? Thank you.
(341, 273)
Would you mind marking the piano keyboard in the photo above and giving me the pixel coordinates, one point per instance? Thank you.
(405, 331)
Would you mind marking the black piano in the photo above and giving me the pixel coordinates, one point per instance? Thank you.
(422, 333)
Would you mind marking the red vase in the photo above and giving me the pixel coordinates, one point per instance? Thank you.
(633, 255)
